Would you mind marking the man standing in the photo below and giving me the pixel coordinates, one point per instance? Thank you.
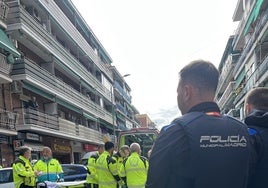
(256, 112)
(107, 168)
(92, 178)
(49, 167)
(134, 168)
(23, 173)
(202, 148)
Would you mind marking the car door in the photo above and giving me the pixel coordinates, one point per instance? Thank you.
(6, 178)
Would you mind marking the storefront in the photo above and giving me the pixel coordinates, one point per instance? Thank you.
(6, 152)
(61, 149)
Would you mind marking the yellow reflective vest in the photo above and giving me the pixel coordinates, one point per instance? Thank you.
(92, 176)
(135, 169)
(23, 172)
(106, 166)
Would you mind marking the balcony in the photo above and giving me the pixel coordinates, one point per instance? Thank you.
(33, 74)
(227, 95)
(3, 13)
(5, 69)
(34, 35)
(257, 32)
(122, 92)
(62, 20)
(36, 121)
(8, 122)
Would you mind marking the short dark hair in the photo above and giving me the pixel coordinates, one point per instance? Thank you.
(201, 74)
(258, 98)
(108, 145)
(24, 149)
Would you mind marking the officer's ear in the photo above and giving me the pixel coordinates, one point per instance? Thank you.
(248, 108)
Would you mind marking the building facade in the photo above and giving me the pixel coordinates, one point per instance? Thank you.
(58, 87)
(244, 64)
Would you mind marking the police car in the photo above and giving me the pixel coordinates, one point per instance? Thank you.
(6, 178)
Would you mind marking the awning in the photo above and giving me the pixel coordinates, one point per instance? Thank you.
(34, 146)
(6, 44)
(253, 15)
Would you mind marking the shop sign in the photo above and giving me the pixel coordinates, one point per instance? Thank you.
(61, 148)
(3, 139)
(17, 144)
(31, 136)
(90, 147)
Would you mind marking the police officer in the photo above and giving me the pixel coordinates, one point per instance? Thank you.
(92, 178)
(49, 167)
(106, 166)
(202, 148)
(23, 173)
(134, 169)
(256, 111)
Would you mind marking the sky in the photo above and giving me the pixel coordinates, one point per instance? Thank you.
(153, 39)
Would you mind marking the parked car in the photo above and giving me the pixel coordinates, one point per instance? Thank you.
(74, 172)
(6, 178)
(88, 155)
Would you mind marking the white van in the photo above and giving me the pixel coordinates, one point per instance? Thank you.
(6, 178)
(86, 156)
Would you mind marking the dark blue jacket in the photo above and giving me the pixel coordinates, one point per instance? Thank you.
(199, 150)
(257, 122)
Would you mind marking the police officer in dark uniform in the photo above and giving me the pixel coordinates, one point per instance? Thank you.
(202, 148)
(256, 112)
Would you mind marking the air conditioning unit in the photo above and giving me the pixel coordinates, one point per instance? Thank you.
(16, 87)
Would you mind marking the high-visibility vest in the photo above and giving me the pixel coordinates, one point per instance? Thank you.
(135, 170)
(51, 170)
(92, 176)
(23, 172)
(106, 170)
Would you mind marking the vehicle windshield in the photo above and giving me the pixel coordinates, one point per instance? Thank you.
(146, 140)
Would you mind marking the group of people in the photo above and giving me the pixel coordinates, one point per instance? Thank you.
(28, 175)
(204, 148)
(125, 168)
(201, 149)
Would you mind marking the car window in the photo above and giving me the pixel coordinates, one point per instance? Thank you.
(6, 176)
(69, 170)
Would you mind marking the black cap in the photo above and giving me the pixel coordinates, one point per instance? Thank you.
(108, 145)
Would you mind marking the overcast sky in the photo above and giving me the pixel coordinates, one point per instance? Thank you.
(153, 39)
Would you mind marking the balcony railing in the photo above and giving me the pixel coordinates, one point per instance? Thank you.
(33, 118)
(8, 119)
(65, 23)
(227, 94)
(254, 79)
(3, 10)
(122, 92)
(38, 76)
(28, 116)
(259, 26)
(27, 24)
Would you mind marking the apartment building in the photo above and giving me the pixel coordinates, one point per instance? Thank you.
(145, 121)
(244, 64)
(124, 110)
(59, 89)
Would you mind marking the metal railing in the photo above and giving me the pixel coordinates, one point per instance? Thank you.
(3, 10)
(4, 66)
(53, 85)
(8, 119)
(21, 17)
